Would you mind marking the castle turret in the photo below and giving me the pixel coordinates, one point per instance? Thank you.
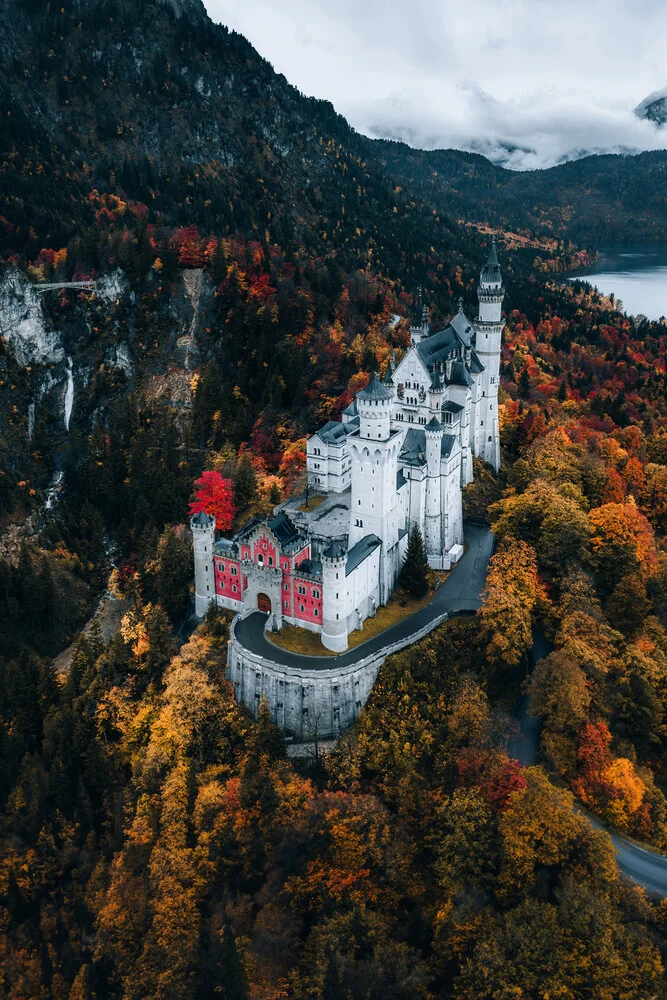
(419, 327)
(374, 405)
(203, 534)
(489, 331)
(433, 507)
(334, 618)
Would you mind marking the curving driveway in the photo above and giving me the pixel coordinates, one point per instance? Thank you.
(647, 868)
(460, 593)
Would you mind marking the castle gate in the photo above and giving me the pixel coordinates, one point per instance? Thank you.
(264, 603)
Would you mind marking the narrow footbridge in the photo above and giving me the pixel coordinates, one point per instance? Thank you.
(55, 286)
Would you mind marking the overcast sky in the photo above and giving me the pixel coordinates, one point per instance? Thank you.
(549, 76)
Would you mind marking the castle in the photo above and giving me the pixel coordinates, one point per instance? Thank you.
(399, 457)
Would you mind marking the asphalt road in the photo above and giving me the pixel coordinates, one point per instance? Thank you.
(645, 867)
(459, 593)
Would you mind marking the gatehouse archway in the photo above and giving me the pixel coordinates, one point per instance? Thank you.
(264, 603)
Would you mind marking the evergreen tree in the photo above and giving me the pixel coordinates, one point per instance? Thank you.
(174, 576)
(245, 482)
(414, 574)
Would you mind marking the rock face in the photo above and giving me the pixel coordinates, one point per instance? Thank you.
(654, 108)
(23, 324)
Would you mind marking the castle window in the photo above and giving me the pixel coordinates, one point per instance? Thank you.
(316, 613)
(233, 570)
(287, 604)
(260, 559)
(316, 593)
(285, 586)
(270, 561)
(301, 590)
(301, 607)
(233, 588)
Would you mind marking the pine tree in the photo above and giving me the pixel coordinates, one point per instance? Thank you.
(414, 574)
(245, 482)
(174, 576)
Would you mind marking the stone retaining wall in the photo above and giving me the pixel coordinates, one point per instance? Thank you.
(310, 703)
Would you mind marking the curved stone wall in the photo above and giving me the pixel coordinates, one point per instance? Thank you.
(305, 702)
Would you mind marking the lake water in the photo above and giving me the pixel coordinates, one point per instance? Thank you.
(637, 275)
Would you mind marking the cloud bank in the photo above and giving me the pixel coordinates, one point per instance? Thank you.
(528, 83)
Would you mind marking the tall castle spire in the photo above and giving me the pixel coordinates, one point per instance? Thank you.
(489, 328)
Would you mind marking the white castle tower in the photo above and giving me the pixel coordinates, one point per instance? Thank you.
(433, 505)
(334, 617)
(489, 327)
(374, 466)
(203, 533)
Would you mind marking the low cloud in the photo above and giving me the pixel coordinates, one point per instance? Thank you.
(528, 83)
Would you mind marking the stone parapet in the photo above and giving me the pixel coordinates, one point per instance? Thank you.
(310, 702)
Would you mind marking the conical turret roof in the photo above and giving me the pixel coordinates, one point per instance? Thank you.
(420, 314)
(491, 270)
(375, 390)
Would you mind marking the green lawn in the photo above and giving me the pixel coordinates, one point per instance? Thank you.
(400, 606)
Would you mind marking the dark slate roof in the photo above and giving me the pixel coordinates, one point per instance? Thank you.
(226, 547)
(491, 270)
(283, 529)
(476, 365)
(336, 550)
(361, 551)
(352, 425)
(375, 390)
(451, 407)
(433, 425)
(419, 315)
(460, 375)
(202, 519)
(400, 480)
(333, 432)
(463, 328)
(438, 347)
(436, 379)
(389, 372)
(414, 447)
(447, 444)
(351, 410)
(310, 568)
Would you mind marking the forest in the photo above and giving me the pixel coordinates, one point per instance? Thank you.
(156, 841)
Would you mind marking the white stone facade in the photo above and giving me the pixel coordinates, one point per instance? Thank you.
(397, 459)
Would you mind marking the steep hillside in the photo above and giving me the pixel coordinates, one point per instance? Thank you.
(595, 199)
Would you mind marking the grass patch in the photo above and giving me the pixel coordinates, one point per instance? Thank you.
(313, 504)
(299, 640)
(400, 606)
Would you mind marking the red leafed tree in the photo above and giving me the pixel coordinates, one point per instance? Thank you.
(213, 495)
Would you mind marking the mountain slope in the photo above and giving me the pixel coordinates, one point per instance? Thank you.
(597, 198)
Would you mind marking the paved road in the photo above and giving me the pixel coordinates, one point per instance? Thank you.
(645, 867)
(459, 593)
